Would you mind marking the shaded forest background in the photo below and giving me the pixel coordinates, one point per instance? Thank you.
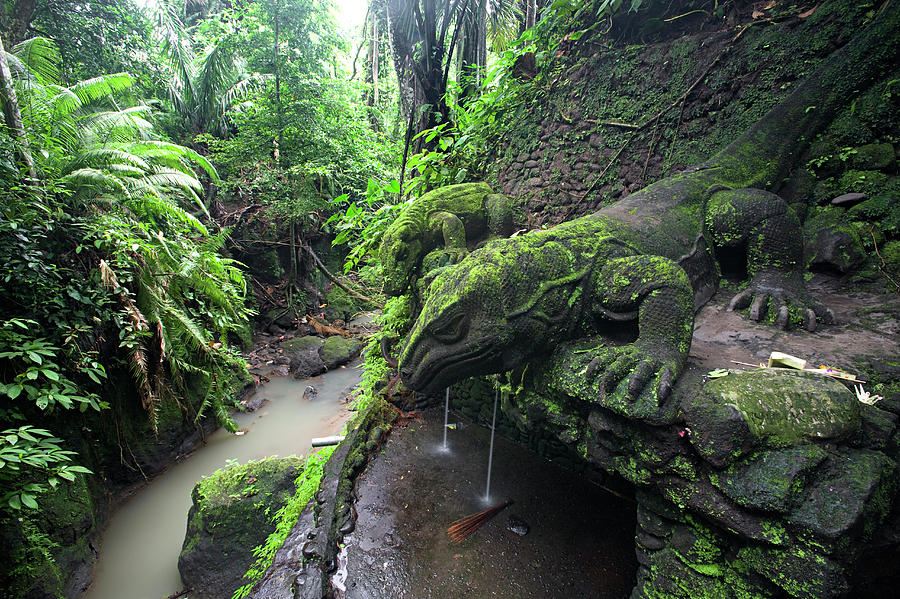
(173, 172)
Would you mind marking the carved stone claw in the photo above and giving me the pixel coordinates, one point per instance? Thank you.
(783, 300)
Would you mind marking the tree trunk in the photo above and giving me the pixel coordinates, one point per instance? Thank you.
(373, 61)
(278, 106)
(12, 114)
(530, 13)
(15, 27)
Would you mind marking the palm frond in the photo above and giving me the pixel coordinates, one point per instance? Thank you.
(242, 89)
(96, 88)
(42, 58)
(64, 101)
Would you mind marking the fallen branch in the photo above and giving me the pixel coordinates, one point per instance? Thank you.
(325, 329)
(354, 294)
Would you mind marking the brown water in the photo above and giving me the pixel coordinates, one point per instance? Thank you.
(140, 546)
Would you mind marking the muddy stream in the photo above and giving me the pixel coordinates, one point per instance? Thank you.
(140, 546)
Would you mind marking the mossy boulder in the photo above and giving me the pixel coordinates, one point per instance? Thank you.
(771, 480)
(304, 354)
(770, 408)
(231, 514)
(875, 157)
(860, 181)
(283, 317)
(784, 407)
(830, 240)
(339, 350)
(849, 496)
(50, 553)
(339, 305)
(302, 344)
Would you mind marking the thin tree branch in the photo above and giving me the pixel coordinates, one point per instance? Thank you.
(334, 279)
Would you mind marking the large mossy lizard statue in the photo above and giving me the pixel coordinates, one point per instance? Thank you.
(648, 259)
(437, 229)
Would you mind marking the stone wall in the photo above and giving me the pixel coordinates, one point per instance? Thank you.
(585, 132)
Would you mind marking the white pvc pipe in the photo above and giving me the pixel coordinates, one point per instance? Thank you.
(324, 441)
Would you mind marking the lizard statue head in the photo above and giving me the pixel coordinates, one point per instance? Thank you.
(469, 324)
(400, 252)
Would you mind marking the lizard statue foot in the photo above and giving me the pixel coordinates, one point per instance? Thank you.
(785, 295)
(635, 368)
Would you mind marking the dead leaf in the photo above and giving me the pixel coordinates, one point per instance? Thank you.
(808, 13)
(757, 14)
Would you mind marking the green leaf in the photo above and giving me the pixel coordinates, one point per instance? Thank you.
(29, 501)
(14, 502)
(13, 391)
(35, 357)
(12, 439)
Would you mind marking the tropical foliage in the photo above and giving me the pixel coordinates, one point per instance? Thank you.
(105, 249)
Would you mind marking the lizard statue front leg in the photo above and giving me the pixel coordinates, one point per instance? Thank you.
(656, 292)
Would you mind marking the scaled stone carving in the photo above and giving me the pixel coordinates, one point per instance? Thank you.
(438, 229)
(755, 485)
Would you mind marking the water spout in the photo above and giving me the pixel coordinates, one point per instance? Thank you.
(446, 414)
(487, 490)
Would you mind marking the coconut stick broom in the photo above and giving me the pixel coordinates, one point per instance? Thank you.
(464, 527)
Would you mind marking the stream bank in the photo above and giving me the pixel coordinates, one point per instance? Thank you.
(142, 540)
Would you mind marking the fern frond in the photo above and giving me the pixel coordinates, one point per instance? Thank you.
(139, 147)
(154, 205)
(94, 179)
(105, 157)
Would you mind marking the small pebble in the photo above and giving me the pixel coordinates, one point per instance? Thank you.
(518, 526)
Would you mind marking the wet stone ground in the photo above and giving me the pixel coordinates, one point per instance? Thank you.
(580, 541)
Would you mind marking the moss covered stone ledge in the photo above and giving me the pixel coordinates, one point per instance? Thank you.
(769, 483)
(302, 564)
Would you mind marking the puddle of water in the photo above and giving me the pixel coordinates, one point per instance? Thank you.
(142, 540)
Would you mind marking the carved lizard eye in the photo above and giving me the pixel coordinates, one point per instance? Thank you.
(453, 329)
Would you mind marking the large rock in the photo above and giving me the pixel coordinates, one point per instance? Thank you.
(230, 515)
(339, 350)
(305, 358)
(780, 408)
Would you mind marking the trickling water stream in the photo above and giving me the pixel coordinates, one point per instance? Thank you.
(141, 543)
